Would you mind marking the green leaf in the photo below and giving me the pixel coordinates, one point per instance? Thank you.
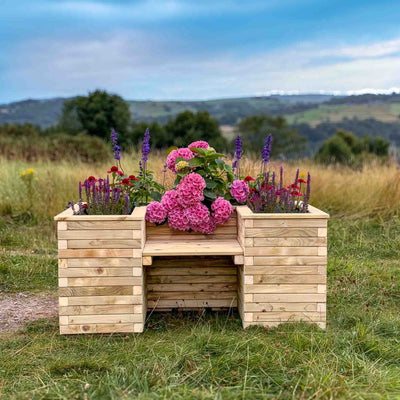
(210, 194)
(170, 149)
(210, 184)
(198, 150)
(155, 195)
(220, 163)
(196, 162)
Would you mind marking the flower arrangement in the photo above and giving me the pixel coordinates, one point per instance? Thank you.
(119, 193)
(267, 193)
(200, 198)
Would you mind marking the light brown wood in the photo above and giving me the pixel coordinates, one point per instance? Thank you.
(281, 232)
(284, 316)
(288, 242)
(289, 279)
(97, 309)
(103, 225)
(191, 287)
(182, 271)
(111, 234)
(281, 288)
(91, 272)
(192, 304)
(289, 298)
(192, 279)
(293, 260)
(192, 247)
(103, 262)
(180, 295)
(104, 281)
(96, 328)
(95, 291)
(104, 319)
(281, 251)
(96, 253)
(103, 300)
(104, 244)
(281, 270)
(278, 307)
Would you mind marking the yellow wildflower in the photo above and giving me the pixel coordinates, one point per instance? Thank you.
(181, 165)
(303, 175)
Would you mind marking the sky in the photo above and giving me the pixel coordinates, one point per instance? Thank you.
(200, 49)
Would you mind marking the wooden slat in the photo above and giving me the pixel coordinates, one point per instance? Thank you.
(180, 295)
(268, 307)
(193, 261)
(283, 316)
(104, 319)
(275, 261)
(105, 281)
(281, 232)
(163, 303)
(106, 225)
(289, 223)
(180, 248)
(281, 251)
(96, 253)
(289, 298)
(103, 262)
(281, 270)
(191, 287)
(95, 291)
(104, 244)
(192, 279)
(290, 242)
(96, 328)
(90, 272)
(98, 309)
(289, 279)
(111, 234)
(103, 300)
(220, 237)
(181, 271)
(278, 288)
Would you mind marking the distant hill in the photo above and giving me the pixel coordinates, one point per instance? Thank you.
(316, 116)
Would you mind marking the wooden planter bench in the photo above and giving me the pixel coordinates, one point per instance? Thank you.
(113, 269)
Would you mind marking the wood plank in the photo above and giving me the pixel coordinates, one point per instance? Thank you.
(163, 303)
(289, 241)
(191, 287)
(97, 309)
(95, 291)
(180, 248)
(289, 298)
(281, 232)
(281, 251)
(193, 261)
(192, 279)
(268, 307)
(103, 262)
(275, 261)
(244, 212)
(96, 253)
(283, 316)
(104, 319)
(290, 223)
(281, 270)
(96, 328)
(221, 237)
(111, 234)
(90, 272)
(104, 281)
(191, 295)
(280, 288)
(289, 279)
(181, 271)
(106, 225)
(103, 300)
(105, 244)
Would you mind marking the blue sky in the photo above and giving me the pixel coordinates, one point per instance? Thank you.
(179, 49)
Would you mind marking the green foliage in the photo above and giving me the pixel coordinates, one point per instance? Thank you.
(345, 148)
(215, 171)
(254, 130)
(189, 127)
(96, 114)
(145, 189)
(135, 135)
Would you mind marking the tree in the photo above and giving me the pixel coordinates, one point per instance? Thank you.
(335, 150)
(135, 136)
(188, 127)
(254, 130)
(96, 114)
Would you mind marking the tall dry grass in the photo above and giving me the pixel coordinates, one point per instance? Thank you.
(373, 191)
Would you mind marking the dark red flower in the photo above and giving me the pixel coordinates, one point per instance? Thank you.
(120, 173)
(126, 182)
(91, 179)
(113, 169)
(248, 179)
(133, 178)
(302, 181)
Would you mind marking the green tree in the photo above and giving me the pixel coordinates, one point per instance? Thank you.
(135, 136)
(254, 130)
(335, 150)
(188, 127)
(96, 114)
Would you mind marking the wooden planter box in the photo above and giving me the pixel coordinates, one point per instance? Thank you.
(113, 269)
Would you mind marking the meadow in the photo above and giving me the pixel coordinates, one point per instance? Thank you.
(208, 355)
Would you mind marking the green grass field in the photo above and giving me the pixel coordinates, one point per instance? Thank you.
(209, 356)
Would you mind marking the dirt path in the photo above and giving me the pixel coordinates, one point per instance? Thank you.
(19, 308)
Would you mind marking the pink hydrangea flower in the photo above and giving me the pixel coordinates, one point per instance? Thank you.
(156, 213)
(190, 190)
(197, 214)
(222, 210)
(195, 181)
(182, 152)
(200, 144)
(170, 200)
(207, 226)
(178, 220)
(240, 190)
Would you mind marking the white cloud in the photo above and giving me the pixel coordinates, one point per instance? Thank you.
(137, 65)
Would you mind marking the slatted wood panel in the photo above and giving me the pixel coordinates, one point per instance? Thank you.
(283, 278)
(101, 280)
(191, 282)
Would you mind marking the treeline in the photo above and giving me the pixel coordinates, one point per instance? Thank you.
(366, 99)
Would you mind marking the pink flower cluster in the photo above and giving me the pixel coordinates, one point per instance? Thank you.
(240, 190)
(200, 144)
(184, 152)
(184, 208)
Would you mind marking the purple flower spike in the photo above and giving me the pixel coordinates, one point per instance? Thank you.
(238, 151)
(116, 148)
(267, 149)
(146, 146)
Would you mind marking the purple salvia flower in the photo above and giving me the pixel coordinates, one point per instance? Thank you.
(126, 203)
(238, 155)
(146, 146)
(306, 197)
(267, 149)
(116, 148)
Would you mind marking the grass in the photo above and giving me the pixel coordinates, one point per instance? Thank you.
(208, 355)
